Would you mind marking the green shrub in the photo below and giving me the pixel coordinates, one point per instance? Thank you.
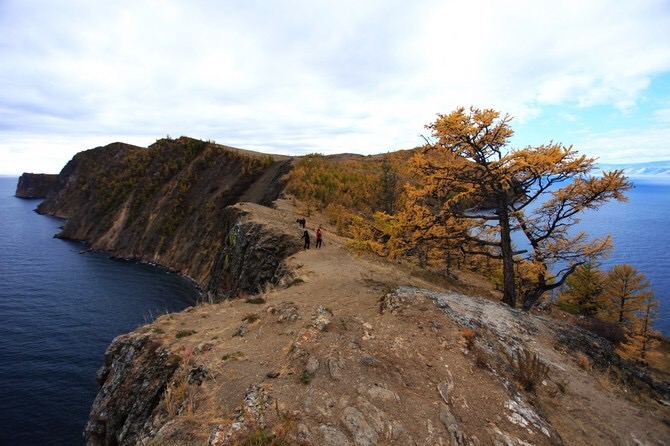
(306, 377)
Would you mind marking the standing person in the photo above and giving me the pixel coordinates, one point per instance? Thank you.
(305, 236)
(319, 235)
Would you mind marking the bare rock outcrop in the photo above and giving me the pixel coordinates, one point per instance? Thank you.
(252, 254)
(412, 366)
(132, 381)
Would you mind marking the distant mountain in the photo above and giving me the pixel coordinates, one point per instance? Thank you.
(655, 168)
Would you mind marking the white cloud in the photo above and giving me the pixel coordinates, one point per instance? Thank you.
(297, 76)
(629, 145)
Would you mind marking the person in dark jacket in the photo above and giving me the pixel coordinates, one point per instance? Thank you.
(305, 236)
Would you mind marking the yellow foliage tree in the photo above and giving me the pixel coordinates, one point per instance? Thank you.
(626, 291)
(582, 293)
(632, 304)
(487, 191)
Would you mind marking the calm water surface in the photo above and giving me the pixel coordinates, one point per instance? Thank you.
(59, 310)
(640, 231)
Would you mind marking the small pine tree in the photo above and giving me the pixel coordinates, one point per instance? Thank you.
(625, 292)
(582, 293)
(642, 337)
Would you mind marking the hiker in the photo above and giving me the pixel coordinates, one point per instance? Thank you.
(305, 236)
(319, 235)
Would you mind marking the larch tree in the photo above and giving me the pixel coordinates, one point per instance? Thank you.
(582, 292)
(626, 290)
(645, 331)
(631, 304)
(488, 191)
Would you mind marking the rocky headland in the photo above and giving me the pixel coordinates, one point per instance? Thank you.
(35, 185)
(173, 204)
(323, 347)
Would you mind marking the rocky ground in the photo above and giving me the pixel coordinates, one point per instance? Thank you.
(353, 350)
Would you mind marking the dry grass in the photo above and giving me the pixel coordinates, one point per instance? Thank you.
(529, 370)
(251, 317)
(174, 397)
(280, 429)
(611, 380)
(469, 336)
(583, 361)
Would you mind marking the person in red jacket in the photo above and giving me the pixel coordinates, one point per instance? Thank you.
(319, 236)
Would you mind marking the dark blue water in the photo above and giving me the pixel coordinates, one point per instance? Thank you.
(640, 231)
(59, 310)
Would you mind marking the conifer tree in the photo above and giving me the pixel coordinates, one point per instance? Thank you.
(626, 291)
(583, 289)
(646, 331)
(488, 190)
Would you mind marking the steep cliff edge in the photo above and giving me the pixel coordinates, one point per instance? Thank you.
(171, 204)
(35, 185)
(331, 349)
(357, 351)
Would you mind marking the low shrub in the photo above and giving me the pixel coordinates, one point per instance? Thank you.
(236, 355)
(251, 317)
(306, 377)
(607, 330)
(184, 333)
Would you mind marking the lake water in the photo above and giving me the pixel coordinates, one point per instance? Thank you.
(59, 310)
(640, 231)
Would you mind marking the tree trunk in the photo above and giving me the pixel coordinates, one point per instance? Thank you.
(532, 296)
(509, 287)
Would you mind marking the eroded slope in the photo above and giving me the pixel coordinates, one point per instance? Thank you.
(362, 352)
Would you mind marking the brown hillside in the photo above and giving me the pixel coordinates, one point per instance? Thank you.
(352, 350)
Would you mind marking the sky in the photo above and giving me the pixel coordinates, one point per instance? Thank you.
(358, 76)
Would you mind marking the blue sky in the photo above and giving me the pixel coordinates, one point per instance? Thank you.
(295, 77)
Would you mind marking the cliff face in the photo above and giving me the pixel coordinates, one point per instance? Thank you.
(336, 349)
(134, 365)
(170, 204)
(35, 185)
(361, 352)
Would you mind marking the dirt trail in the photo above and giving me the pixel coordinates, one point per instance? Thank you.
(340, 358)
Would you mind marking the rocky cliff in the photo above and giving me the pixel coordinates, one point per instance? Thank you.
(172, 204)
(357, 351)
(35, 185)
(322, 347)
